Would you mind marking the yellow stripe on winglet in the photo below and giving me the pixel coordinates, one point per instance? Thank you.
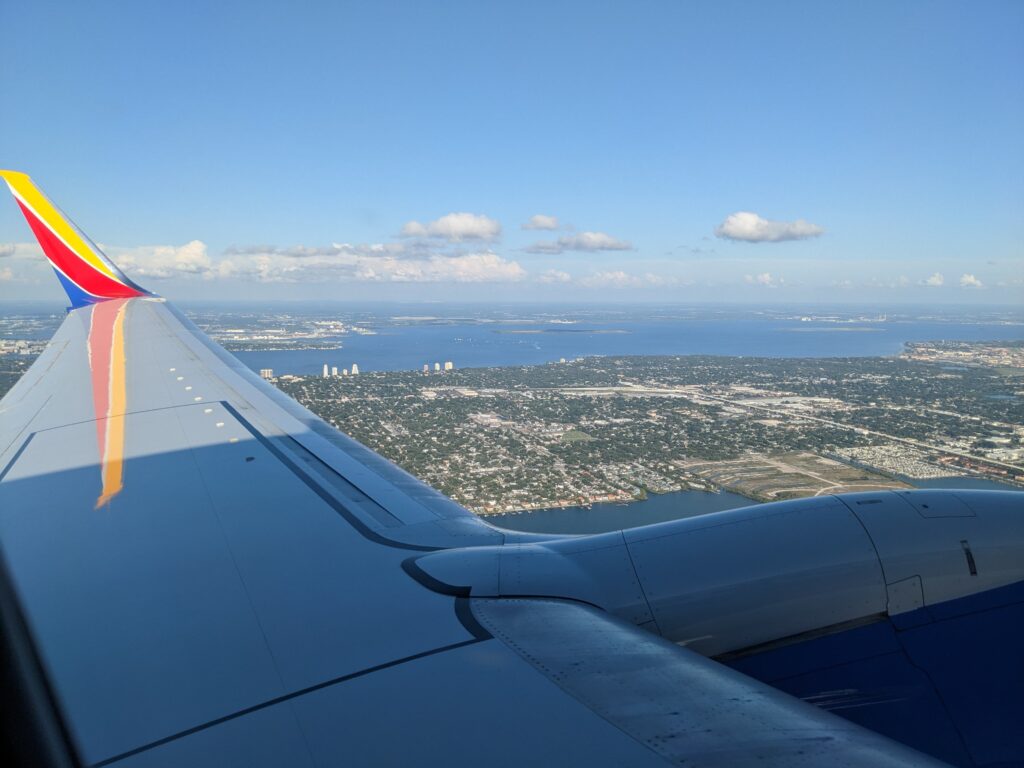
(22, 186)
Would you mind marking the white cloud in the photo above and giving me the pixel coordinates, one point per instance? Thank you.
(144, 261)
(473, 267)
(23, 262)
(163, 261)
(20, 251)
(582, 241)
(366, 263)
(396, 250)
(933, 281)
(751, 228)
(764, 279)
(455, 227)
(970, 281)
(554, 276)
(341, 262)
(540, 221)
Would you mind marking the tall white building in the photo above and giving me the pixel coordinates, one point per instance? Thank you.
(266, 373)
(426, 367)
(325, 370)
(334, 370)
(437, 367)
(355, 369)
(449, 365)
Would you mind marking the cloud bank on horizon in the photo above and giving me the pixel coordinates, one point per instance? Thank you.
(463, 248)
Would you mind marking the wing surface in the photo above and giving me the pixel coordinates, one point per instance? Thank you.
(214, 576)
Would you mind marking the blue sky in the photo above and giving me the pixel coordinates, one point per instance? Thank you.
(672, 151)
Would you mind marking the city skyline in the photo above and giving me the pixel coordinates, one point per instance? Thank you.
(672, 152)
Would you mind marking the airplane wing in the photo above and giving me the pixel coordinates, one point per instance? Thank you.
(210, 575)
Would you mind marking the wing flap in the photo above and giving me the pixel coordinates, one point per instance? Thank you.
(683, 706)
(559, 684)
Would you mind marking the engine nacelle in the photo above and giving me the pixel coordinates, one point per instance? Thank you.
(774, 573)
(767, 574)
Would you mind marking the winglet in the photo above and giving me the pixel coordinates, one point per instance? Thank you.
(86, 273)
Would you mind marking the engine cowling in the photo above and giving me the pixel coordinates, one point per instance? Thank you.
(770, 573)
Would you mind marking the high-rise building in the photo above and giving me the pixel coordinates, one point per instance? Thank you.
(325, 370)
(449, 365)
(266, 373)
(334, 370)
(344, 371)
(355, 369)
(426, 367)
(437, 367)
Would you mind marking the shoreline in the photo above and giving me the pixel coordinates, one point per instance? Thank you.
(610, 516)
